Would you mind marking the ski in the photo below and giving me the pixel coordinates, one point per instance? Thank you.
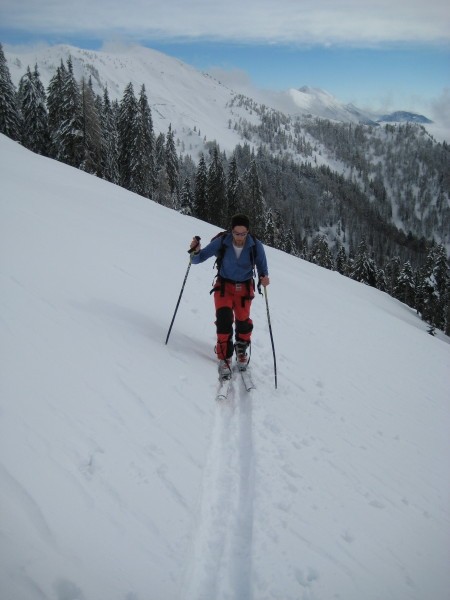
(223, 389)
(247, 379)
(225, 385)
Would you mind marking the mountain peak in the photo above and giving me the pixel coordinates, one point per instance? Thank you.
(401, 116)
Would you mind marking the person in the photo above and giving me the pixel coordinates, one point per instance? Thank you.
(238, 253)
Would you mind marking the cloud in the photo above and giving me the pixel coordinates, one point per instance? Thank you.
(328, 22)
(232, 78)
(441, 108)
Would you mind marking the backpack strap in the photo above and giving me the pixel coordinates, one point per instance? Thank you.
(221, 251)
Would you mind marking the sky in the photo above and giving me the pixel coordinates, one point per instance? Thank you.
(377, 54)
(122, 477)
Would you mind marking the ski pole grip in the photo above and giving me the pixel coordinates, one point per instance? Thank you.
(198, 238)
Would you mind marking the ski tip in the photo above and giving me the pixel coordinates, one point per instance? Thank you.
(221, 398)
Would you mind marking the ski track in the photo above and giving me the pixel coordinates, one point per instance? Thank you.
(221, 561)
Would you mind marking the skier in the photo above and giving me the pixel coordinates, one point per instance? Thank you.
(238, 253)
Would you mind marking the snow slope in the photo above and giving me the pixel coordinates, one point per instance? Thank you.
(122, 479)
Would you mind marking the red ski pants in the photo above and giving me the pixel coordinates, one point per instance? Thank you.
(232, 301)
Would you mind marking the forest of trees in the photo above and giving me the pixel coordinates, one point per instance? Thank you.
(301, 208)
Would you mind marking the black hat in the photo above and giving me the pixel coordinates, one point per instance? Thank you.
(240, 219)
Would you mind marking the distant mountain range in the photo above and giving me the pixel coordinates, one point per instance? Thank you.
(189, 100)
(320, 103)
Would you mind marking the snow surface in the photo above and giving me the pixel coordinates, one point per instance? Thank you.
(121, 478)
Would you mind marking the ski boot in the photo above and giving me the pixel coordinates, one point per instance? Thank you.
(224, 369)
(242, 356)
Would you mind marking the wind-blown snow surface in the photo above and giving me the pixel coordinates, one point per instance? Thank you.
(121, 478)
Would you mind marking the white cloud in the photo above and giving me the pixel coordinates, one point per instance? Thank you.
(441, 108)
(284, 21)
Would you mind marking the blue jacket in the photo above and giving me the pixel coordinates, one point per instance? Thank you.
(233, 268)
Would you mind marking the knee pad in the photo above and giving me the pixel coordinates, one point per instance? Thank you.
(244, 326)
(224, 320)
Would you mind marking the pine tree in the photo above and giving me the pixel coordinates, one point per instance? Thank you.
(129, 130)
(186, 199)
(146, 146)
(10, 118)
(68, 137)
(280, 241)
(381, 280)
(234, 188)
(405, 288)
(32, 101)
(110, 140)
(216, 192)
(171, 161)
(55, 107)
(393, 269)
(269, 236)
(364, 269)
(320, 252)
(289, 242)
(441, 275)
(201, 197)
(341, 261)
(162, 193)
(92, 131)
(160, 152)
(433, 293)
(254, 204)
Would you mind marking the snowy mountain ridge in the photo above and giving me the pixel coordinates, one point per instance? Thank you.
(120, 476)
(179, 94)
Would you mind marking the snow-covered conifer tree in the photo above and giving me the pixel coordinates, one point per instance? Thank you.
(172, 167)
(405, 289)
(68, 133)
(341, 261)
(269, 231)
(216, 192)
(32, 101)
(10, 118)
(186, 198)
(92, 131)
(254, 204)
(110, 140)
(364, 268)
(129, 129)
(201, 197)
(234, 188)
(434, 288)
(54, 106)
(320, 252)
(146, 147)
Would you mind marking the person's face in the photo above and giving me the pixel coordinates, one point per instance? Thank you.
(239, 235)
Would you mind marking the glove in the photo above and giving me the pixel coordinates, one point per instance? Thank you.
(195, 245)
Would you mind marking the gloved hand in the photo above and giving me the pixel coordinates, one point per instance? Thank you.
(195, 245)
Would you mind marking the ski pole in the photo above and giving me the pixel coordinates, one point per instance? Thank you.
(271, 338)
(182, 287)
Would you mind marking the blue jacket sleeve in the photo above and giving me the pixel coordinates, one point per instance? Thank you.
(261, 260)
(210, 250)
